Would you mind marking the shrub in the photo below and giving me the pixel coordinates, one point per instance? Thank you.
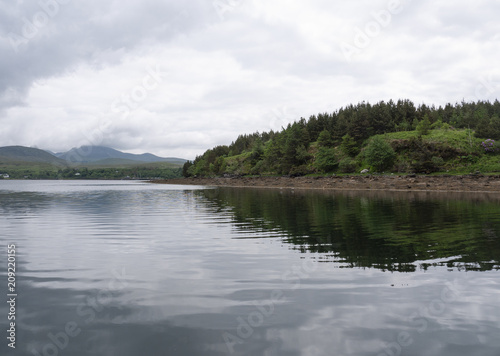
(379, 154)
(469, 159)
(257, 168)
(402, 165)
(348, 165)
(489, 145)
(298, 171)
(437, 125)
(438, 162)
(326, 160)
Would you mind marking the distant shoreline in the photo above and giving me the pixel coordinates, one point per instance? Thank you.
(424, 183)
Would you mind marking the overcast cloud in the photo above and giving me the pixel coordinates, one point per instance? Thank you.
(175, 78)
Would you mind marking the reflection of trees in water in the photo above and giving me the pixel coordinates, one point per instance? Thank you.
(390, 231)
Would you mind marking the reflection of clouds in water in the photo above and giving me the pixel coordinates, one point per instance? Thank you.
(191, 274)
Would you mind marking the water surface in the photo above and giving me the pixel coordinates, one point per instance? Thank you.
(143, 269)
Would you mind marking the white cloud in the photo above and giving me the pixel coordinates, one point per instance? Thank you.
(265, 64)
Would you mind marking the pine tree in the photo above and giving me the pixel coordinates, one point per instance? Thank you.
(424, 126)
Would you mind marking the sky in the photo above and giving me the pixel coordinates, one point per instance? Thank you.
(176, 78)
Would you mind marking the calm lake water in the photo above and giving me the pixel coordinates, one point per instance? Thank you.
(131, 268)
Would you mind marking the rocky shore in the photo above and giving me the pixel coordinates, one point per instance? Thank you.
(463, 183)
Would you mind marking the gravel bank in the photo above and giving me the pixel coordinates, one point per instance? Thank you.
(464, 183)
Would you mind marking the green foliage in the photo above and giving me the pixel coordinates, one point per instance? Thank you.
(421, 155)
(138, 172)
(326, 160)
(403, 126)
(349, 146)
(257, 150)
(483, 129)
(469, 159)
(388, 229)
(310, 143)
(438, 125)
(485, 163)
(348, 165)
(379, 154)
(301, 170)
(219, 166)
(495, 127)
(414, 124)
(295, 152)
(325, 139)
(273, 154)
(185, 169)
(437, 161)
(424, 126)
(488, 128)
(258, 168)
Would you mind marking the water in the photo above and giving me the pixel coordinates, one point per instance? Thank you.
(131, 268)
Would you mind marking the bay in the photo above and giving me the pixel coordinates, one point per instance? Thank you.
(133, 268)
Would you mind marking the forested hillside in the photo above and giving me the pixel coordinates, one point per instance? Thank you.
(387, 136)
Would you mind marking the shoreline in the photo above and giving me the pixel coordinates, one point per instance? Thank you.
(412, 183)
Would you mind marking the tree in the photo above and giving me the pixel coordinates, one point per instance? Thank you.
(219, 166)
(483, 129)
(424, 126)
(295, 152)
(185, 169)
(349, 146)
(325, 139)
(273, 153)
(379, 154)
(488, 128)
(495, 127)
(257, 151)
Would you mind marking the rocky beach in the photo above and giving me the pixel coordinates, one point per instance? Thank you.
(462, 183)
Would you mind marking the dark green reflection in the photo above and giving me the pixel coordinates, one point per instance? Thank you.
(387, 230)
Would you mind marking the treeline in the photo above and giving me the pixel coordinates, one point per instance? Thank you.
(305, 145)
(95, 173)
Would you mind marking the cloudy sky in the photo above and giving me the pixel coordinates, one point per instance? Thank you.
(175, 78)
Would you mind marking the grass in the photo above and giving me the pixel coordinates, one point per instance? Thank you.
(459, 139)
(238, 164)
(472, 157)
(487, 163)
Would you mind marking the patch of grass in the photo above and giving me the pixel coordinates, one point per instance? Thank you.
(487, 163)
(458, 139)
(239, 164)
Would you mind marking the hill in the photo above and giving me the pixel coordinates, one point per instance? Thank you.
(18, 162)
(120, 162)
(396, 137)
(20, 154)
(106, 155)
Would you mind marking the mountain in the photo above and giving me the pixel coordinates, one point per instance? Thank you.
(13, 154)
(94, 154)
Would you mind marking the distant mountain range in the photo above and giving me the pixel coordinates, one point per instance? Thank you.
(94, 155)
